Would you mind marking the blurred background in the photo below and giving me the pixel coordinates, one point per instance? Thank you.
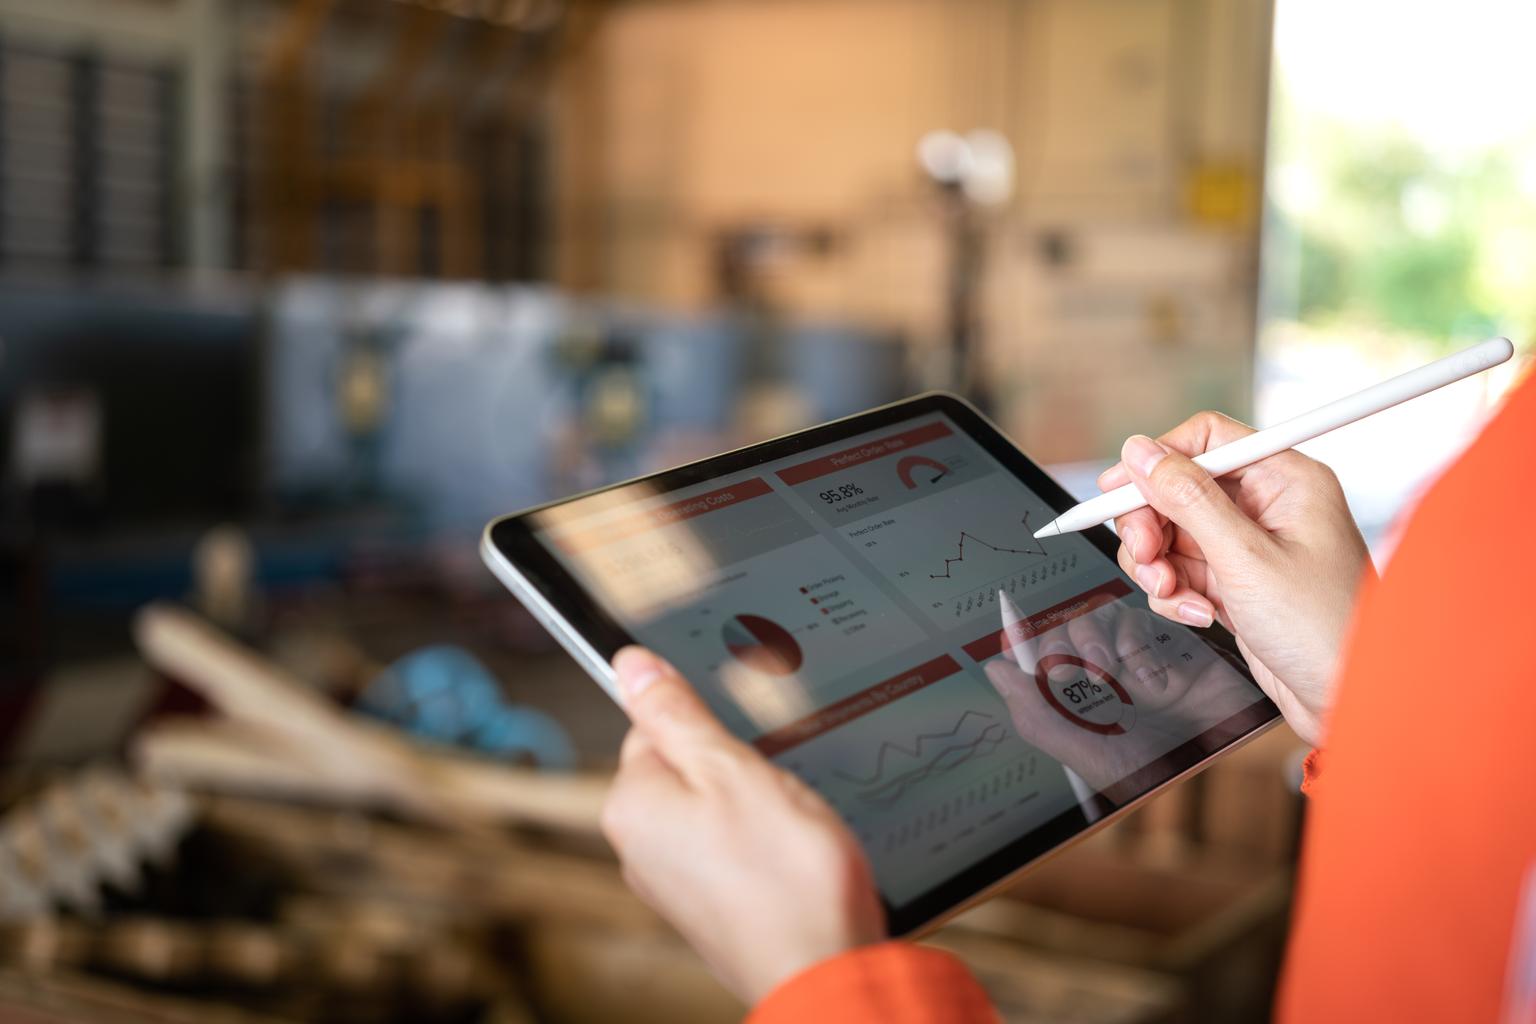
(296, 294)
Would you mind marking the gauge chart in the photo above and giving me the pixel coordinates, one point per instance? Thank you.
(762, 645)
(917, 470)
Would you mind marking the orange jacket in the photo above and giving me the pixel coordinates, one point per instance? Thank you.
(1417, 896)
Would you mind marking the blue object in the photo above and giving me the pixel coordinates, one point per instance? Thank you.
(443, 694)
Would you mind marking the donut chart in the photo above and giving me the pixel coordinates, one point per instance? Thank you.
(1110, 713)
(762, 645)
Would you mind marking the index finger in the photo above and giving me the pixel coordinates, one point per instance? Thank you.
(666, 711)
(1195, 436)
(644, 784)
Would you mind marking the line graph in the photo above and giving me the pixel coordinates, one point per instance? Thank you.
(886, 746)
(949, 563)
(895, 788)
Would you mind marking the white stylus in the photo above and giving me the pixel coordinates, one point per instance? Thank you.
(1264, 443)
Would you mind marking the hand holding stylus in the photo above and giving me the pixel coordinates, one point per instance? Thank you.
(1269, 551)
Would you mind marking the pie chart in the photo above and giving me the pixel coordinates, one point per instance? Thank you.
(762, 645)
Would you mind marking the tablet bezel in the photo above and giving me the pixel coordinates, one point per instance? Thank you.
(514, 540)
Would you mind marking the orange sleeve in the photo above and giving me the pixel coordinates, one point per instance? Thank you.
(892, 983)
(1423, 827)
(1311, 769)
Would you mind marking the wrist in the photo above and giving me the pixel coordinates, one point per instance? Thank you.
(785, 970)
(808, 949)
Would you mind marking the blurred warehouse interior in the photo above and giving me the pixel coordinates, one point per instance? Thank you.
(370, 271)
(296, 294)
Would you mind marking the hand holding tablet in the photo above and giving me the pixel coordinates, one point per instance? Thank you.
(753, 868)
(765, 843)
(836, 599)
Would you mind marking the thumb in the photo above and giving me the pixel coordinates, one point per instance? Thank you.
(664, 708)
(1191, 498)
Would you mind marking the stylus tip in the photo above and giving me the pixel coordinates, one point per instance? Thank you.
(1050, 529)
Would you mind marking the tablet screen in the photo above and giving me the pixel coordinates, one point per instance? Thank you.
(876, 616)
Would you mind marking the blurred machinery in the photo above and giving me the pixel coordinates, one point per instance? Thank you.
(462, 402)
(338, 135)
(125, 406)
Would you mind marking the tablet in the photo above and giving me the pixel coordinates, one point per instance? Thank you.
(864, 602)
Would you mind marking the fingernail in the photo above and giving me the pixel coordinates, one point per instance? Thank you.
(1142, 453)
(640, 670)
(1195, 614)
(1128, 538)
(1149, 578)
(1099, 655)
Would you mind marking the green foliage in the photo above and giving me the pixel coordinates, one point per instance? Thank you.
(1321, 288)
(1420, 284)
(1393, 234)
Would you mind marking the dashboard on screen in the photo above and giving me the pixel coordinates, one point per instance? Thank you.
(874, 615)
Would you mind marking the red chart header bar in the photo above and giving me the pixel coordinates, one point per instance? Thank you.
(864, 453)
(991, 645)
(664, 515)
(862, 703)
